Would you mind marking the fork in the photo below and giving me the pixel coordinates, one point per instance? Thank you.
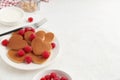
(35, 25)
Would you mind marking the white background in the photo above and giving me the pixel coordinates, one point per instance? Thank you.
(89, 36)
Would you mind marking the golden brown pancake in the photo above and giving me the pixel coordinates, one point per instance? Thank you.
(41, 34)
(40, 46)
(16, 42)
(12, 55)
(49, 37)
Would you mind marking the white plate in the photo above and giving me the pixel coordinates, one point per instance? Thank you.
(43, 73)
(30, 66)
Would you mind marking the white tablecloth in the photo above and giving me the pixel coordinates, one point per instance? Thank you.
(89, 37)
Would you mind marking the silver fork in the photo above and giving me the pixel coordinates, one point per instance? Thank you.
(35, 25)
(40, 23)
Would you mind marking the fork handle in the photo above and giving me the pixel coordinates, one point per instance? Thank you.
(10, 32)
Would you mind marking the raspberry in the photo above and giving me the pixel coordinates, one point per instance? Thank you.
(28, 59)
(27, 49)
(29, 29)
(56, 78)
(21, 53)
(53, 75)
(30, 19)
(63, 78)
(45, 54)
(32, 36)
(47, 77)
(5, 42)
(32, 29)
(21, 32)
(43, 78)
(53, 45)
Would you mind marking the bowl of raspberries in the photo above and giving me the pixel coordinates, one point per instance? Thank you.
(52, 75)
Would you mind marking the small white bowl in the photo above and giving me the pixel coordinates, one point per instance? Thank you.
(46, 72)
(11, 15)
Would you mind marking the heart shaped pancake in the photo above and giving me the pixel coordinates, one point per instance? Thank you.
(16, 42)
(12, 55)
(39, 46)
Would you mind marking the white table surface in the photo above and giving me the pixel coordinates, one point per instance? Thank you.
(89, 36)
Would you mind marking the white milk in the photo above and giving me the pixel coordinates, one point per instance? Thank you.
(10, 15)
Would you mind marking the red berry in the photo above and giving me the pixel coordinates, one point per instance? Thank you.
(21, 32)
(56, 78)
(32, 36)
(5, 42)
(63, 78)
(53, 45)
(53, 75)
(28, 59)
(32, 29)
(30, 19)
(29, 29)
(21, 53)
(27, 49)
(47, 77)
(43, 78)
(45, 54)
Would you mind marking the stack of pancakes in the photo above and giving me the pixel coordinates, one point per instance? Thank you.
(41, 42)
